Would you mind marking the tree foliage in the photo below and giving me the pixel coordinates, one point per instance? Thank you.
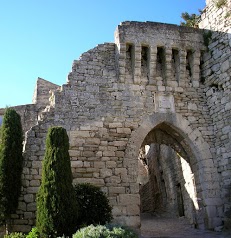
(11, 163)
(91, 200)
(191, 20)
(56, 203)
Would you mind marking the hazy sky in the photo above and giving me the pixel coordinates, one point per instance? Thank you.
(41, 38)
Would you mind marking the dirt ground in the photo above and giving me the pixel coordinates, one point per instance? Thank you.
(166, 227)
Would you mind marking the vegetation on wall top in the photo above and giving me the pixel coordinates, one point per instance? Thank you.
(190, 20)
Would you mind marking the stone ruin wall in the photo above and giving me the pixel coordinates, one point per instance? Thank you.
(43, 93)
(30, 113)
(100, 110)
(153, 71)
(217, 73)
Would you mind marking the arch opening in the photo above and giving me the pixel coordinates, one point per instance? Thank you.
(169, 183)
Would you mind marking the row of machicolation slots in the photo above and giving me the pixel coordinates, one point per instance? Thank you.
(173, 67)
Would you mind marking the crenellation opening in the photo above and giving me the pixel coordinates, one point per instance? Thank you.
(130, 59)
(160, 63)
(189, 65)
(176, 64)
(145, 62)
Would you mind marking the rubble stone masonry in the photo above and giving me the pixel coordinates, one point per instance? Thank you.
(217, 72)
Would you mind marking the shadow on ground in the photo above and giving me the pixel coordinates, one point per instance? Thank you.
(153, 226)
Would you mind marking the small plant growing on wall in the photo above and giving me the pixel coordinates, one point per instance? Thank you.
(11, 164)
(56, 203)
(223, 3)
(207, 36)
(220, 3)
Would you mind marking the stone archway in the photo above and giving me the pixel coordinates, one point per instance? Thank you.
(173, 130)
(171, 189)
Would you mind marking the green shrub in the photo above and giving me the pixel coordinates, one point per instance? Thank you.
(33, 233)
(15, 235)
(191, 20)
(207, 36)
(93, 205)
(11, 164)
(104, 232)
(56, 203)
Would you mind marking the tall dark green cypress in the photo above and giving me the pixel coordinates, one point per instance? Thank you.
(56, 203)
(11, 163)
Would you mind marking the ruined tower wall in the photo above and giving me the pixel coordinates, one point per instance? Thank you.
(30, 113)
(217, 73)
(42, 92)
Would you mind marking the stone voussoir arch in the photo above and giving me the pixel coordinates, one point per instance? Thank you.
(194, 144)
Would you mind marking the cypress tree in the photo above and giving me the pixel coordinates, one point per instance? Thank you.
(11, 164)
(56, 203)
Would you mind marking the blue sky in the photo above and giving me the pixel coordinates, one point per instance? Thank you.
(42, 38)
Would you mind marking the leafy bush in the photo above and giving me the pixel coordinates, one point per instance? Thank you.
(34, 233)
(15, 235)
(104, 232)
(93, 205)
(56, 203)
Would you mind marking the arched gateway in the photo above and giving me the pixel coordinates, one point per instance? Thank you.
(156, 87)
(173, 130)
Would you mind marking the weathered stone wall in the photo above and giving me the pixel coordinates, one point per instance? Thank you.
(171, 55)
(101, 109)
(43, 92)
(217, 72)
